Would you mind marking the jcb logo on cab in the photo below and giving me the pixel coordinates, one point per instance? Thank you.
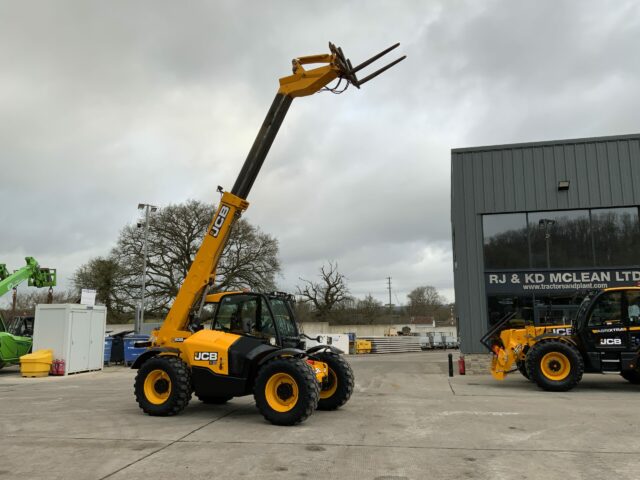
(610, 341)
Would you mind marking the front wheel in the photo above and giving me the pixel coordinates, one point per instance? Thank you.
(163, 386)
(522, 368)
(286, 391)
(339, 387)
(554, 365)
(632, 376)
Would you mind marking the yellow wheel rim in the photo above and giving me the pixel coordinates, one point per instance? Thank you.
(331, 388)
(281, 392)
(157, 387)
(555, 366)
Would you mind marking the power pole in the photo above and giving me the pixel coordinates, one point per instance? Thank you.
(147, 210)
(389, 283)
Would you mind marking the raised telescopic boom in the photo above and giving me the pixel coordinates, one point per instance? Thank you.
(302, 82)
(36, 275)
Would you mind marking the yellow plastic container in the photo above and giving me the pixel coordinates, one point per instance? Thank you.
(363, 346)
(36, 364)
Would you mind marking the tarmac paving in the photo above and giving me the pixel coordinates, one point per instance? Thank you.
(406, 420)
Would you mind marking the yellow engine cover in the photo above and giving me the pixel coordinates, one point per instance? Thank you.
(209, 349)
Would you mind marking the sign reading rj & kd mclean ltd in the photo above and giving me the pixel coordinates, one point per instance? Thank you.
(559, 280)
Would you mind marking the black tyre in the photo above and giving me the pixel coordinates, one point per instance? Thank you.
(213, 400)
(632, 376)
(339, 387)
(286, 391)
(554, 365)
(522, 368)
(163, 386)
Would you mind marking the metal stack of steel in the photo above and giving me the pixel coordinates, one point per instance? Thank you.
(393, 344)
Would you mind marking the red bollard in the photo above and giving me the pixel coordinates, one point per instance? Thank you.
(461, 365)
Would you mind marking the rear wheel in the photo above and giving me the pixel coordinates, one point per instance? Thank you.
(554, 365)
(163, 386)
(286, 391)
(339, 387)
(632, 376)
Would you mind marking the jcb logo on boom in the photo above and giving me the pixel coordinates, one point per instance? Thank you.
(610, 341)
(219, 221)
(210, 357)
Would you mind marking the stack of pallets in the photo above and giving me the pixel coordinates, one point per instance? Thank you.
(393, 344)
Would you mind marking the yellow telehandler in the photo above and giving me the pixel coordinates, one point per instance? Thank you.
(252, 344)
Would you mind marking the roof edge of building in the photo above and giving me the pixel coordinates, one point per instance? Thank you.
(508, 146)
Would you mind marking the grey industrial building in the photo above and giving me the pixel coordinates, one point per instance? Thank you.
(536, 224)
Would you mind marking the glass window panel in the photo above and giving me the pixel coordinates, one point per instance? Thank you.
(608, 311)
(502, 305)
(505, 241)
(557, 309)
(616, 236)
(266, 327)
(284, 320)
(633, 300)
(560, 239)
(244, 314)
(235, 313)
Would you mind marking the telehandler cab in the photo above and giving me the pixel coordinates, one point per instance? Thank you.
(604, 337)
(253, 344)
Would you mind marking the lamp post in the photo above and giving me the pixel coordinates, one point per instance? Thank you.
(148, 210)
(545, 223)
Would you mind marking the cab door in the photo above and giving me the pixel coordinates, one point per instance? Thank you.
(607, 323)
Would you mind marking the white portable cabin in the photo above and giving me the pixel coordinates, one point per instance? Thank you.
(74, 332)
(338, 340)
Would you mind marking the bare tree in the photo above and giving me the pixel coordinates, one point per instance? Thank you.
(424, 301)
(26, 302)
(328, 293)
(249, 259)
(102, 275)
(369, 308)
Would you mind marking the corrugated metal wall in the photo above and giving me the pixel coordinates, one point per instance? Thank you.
(603, 172)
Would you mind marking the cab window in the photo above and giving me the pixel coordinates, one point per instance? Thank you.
(227, 313)
(283, 318)
(633, 309)
(244, 314)
(208, 314)
(607, 312)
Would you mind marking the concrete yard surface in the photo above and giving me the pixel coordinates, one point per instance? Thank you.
(406, 420)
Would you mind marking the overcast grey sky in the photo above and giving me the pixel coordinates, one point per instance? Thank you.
(107, 104)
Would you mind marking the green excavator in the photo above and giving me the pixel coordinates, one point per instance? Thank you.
(12, 345)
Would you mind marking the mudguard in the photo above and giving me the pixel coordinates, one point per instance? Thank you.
(294, 352)
(324, 348)
(152, 352)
